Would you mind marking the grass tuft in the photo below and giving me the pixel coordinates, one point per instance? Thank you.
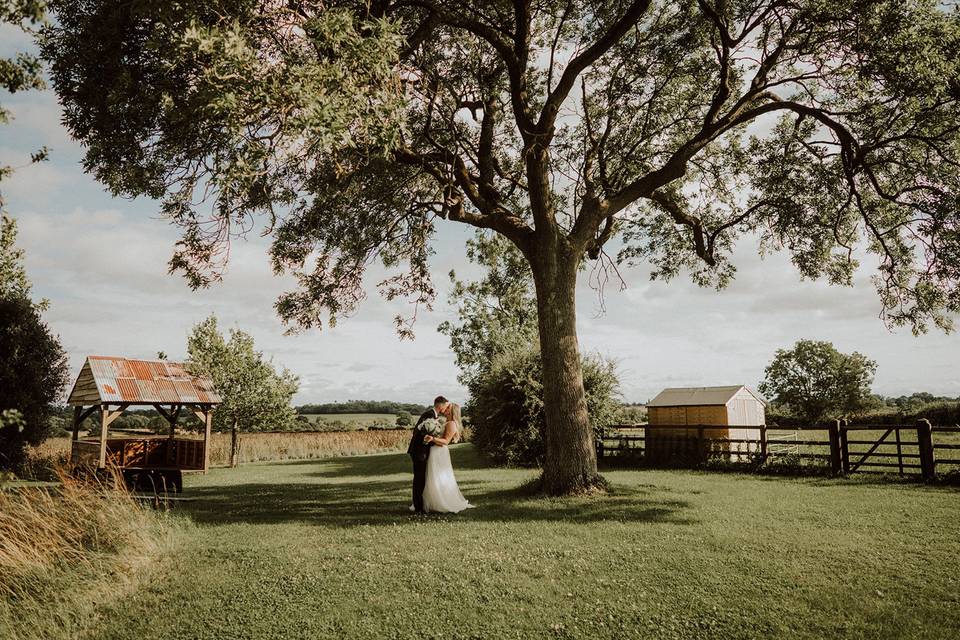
(66, 549)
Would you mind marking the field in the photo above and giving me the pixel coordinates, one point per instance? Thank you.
(256, 447)
(354, 419)
(326, 548)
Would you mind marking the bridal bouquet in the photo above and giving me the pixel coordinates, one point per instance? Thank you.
(432, 427)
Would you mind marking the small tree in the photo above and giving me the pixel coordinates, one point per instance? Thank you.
(816, 382)
(404, 419)
(255, 396)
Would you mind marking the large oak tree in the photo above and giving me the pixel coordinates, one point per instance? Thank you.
(355, 128)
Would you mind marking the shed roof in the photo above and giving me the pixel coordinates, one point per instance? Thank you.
(700, 396)
(106, 379)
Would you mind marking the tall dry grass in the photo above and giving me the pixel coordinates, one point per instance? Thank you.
(259, 447)
(65, 549)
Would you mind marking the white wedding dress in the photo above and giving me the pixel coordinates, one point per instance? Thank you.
(442, 494)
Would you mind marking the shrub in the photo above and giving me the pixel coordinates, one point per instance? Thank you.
(506, 406)
(33, 374)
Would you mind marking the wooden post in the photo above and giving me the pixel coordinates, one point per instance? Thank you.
(77, 419)
(173, 418)
(928, 465)
(763, 444)
(836, 455)
(844, 447)
(207, 424)
(899, 451)
(233, 444)
(104, 423)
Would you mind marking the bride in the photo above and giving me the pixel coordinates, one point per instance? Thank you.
(441, 493)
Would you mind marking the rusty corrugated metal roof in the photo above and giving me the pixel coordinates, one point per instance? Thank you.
(145, 382)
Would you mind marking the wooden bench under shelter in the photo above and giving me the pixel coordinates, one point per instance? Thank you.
(108, 386)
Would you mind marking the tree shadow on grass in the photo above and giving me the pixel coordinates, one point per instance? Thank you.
(349, 492)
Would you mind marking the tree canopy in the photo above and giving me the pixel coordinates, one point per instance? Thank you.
(23, 71)
(633, 117)
(816, 382)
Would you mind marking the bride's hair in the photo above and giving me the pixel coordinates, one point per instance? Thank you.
(455, 416)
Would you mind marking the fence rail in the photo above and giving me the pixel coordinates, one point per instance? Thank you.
(909, 449)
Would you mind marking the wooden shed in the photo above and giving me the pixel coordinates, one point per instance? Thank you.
(677, 415)
(110, 385)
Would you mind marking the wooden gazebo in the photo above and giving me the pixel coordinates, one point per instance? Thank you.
(110, 385)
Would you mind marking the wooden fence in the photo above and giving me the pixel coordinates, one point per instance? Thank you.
(917, 449)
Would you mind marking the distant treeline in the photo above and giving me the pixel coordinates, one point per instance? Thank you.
(362, 406)
(939, 412)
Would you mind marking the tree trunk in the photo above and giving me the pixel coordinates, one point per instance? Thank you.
(233, 444)
(570, 463)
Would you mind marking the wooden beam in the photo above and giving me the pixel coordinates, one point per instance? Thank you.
(113, 415)
(163, 412)
(174, 416)
(104, 423)
(199, 411)
(86, 414)
(77, 419)
(207, 424)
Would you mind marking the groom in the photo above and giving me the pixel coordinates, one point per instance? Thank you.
(419, 451)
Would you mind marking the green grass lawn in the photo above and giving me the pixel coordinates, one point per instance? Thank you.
(326, 549)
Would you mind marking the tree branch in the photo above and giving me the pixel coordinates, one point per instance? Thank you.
(548, 114)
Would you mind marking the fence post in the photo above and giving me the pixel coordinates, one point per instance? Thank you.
(845, 446)
(836, 455)
(928, 465)
(763, 444)
(899, 451)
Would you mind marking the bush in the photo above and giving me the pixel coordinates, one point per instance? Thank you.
(33, 374)
(506, 406)
(404, 419)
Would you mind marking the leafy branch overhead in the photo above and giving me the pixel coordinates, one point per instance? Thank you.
(23, 71)
(355, 126)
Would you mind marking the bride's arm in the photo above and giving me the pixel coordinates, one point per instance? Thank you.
(448, 434)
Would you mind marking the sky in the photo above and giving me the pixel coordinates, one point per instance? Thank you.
(102, 263)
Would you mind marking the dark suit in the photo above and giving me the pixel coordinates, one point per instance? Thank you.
(419, 452)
